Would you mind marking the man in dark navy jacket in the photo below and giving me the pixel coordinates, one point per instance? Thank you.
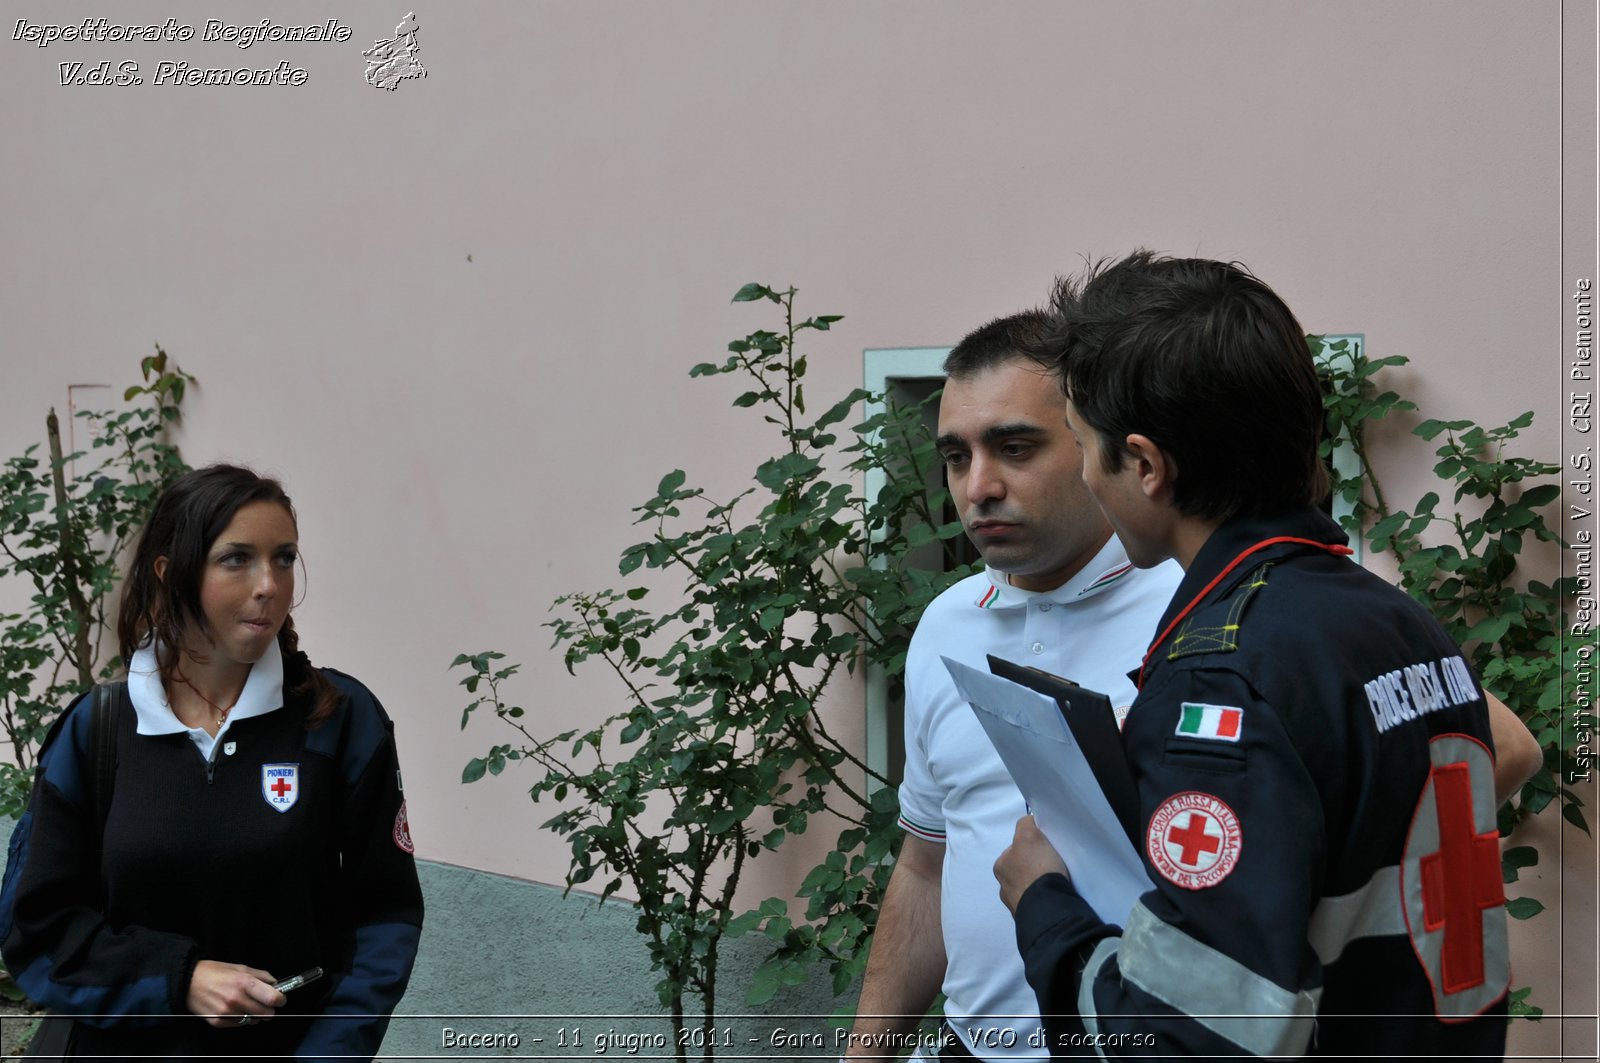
(1313, 755)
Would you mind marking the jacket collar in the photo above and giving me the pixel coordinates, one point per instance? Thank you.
(1238, 534)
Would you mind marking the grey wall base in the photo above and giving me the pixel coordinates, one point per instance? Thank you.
(503, 958)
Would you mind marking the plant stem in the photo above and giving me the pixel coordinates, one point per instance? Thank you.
(69, 559)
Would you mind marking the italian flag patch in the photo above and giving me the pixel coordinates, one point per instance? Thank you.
(1219, 722)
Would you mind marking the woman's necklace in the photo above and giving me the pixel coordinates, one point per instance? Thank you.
(222, 713)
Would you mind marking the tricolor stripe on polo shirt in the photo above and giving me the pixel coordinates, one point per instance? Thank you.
(989, 596)
(925, 833)
(1220, 722)
(1107, 579)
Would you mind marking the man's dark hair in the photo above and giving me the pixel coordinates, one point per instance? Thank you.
(1021, 335)
(1206, 361)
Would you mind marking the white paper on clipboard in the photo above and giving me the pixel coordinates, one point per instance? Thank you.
(1049, 768)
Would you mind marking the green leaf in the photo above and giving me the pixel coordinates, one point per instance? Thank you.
(763, 987)
(1513, 860)
(1386, 528)
(1543, 495)
(780, 472)
(1431, 428)
(670, 483)
(474, 770)
(740, 925)
(751, 292)
(1523, 908)
(1490, 630)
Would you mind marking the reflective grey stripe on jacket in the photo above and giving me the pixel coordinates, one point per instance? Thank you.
(1215, 990)
(1371, 911)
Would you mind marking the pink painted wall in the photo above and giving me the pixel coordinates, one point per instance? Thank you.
(457, 317)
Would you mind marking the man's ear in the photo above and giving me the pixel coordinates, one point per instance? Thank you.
(161, 568)
(1156, 469)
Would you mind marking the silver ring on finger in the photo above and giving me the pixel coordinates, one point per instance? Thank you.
(245, 1020)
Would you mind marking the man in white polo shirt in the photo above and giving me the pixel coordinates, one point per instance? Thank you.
(1058, 593)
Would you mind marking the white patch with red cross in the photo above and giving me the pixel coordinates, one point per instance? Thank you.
(1194, 840)
(1451, 888)
(280, 785)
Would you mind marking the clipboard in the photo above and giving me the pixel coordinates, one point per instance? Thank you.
(1093, 723)
(1051, 768)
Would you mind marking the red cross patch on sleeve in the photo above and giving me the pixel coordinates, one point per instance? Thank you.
(402, 831)
(1194, 840)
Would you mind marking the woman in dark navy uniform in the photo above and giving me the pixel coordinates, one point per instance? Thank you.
(255, 828)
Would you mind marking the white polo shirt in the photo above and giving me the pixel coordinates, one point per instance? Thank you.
(1093, 629)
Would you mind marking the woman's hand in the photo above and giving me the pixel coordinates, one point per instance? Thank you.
(231, 994)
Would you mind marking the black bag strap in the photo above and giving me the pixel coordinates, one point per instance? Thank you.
(105, 710)
(108, 699)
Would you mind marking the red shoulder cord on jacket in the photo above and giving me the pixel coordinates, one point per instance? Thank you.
(1341, 551)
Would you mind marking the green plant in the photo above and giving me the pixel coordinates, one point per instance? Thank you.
(721, 692)
(61, 539)
(1463, 564)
